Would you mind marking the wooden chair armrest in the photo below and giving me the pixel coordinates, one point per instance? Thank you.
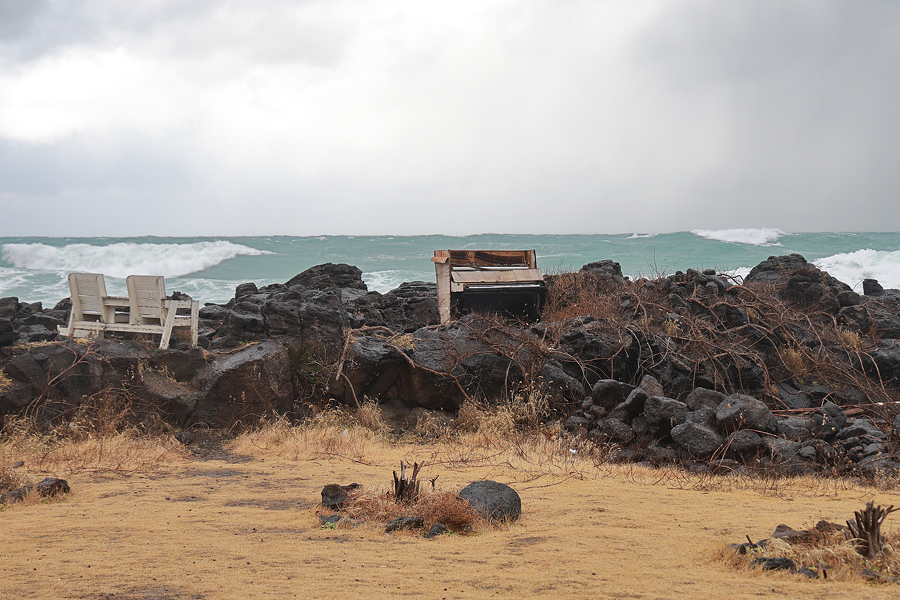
(116, 301)
(179, 303)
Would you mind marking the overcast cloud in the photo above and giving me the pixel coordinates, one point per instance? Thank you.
(201, 117)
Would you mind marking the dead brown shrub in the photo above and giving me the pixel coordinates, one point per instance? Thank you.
(849, 340)
(794, 361)
(580, 294)
(433, 507)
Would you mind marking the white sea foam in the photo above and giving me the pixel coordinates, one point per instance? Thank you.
(125, 258)
(853, 267)
(739, 274)
(10, 278)
(752, 237)
(385, 281)
(638, 236)
(219, 291)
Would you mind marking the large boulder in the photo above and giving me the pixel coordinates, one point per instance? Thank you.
(184, 366)
(664, 413)
(493, 500)
(586, 350)
(884, 362)
(8, 334)
(75, 370)
(854, 318)
(793, 428)
(743, 412)
(323, 319)
(246, 384)
(775, 268)
(558, 383)
(9, 306)
(604, 268)
(15, 398)
(282, 319)
(175, 400)
(411, 306)
(243, 323)
(426, 379)
(609, 392)
(633, 404)
(884, 311)
(26, 369)
(371, 370)
(791, 397)
(651, 385)
(808, 286)
(615, 431)
(786, 455)
(743, 443)
(121, 361)
(704, 397)
(63, 375)
(323, 277)
(697, 439)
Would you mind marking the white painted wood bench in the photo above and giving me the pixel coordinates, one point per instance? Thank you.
(93, 312)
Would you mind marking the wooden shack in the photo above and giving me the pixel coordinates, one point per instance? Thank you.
(501, 281)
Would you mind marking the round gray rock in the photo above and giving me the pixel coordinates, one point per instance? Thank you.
(743, 412)
(696, 438)
(493, 500)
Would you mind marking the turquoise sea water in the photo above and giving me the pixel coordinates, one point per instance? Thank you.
(35, 269)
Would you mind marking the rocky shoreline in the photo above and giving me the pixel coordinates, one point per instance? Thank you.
(790, 370)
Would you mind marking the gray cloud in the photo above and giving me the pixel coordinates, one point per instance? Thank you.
(369, 117)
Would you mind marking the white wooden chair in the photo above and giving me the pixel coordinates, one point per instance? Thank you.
(94, 313)
(150, 312)
(92, 310)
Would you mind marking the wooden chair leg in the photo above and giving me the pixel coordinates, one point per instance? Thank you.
(195, 316)
(167, 329)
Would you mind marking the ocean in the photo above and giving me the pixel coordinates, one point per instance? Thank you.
(208, 268)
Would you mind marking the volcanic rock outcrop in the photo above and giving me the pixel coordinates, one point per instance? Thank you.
(789, 368)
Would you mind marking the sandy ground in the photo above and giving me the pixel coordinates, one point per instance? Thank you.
(232, 525)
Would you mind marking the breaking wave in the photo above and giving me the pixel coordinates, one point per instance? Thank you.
(125, 258)
(853, 267)
(752, 237)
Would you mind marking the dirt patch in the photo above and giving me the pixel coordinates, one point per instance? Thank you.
(604, 532)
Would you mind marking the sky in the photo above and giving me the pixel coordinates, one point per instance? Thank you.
(307, 117)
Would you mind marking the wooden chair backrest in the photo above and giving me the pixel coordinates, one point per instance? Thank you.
(87, 291)
(146, 294)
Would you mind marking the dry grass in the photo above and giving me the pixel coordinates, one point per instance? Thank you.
(66, 452)
(795, 361)
(368, 415)
(5, 382)
(849, 340)
(484, 435)
(332, 433)
(432, 506)
(405, 341)
(528, 410)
